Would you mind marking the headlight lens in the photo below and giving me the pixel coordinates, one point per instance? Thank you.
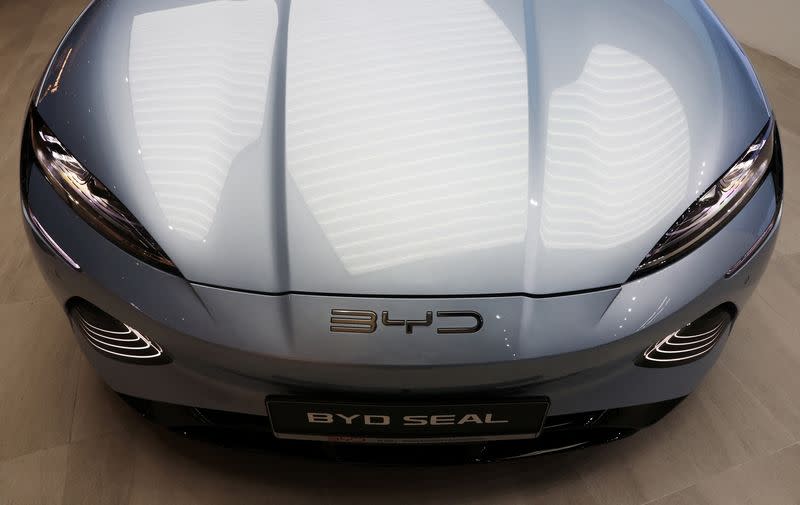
(90, 199)
(716, 207)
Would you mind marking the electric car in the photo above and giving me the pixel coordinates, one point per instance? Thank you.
(518, 226)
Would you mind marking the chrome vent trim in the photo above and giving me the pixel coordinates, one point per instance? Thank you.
(116, 339)
(690, 343)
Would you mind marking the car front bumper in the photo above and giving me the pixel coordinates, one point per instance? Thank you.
(231, 349)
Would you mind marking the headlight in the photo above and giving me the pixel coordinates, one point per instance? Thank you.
(716, 207)
(90, 199)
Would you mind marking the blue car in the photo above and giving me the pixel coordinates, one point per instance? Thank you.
(516, 226)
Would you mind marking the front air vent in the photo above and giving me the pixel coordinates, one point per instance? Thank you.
(113, 338)
(690, 343)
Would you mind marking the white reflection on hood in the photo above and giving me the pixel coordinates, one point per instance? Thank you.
(199, 91)
(617, 155)
(407, 128)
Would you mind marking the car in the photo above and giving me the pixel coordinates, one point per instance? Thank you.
(499, 227)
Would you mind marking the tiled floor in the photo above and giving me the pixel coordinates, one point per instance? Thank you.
(64, 438)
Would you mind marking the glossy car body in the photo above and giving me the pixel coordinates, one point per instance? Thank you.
(513, 158)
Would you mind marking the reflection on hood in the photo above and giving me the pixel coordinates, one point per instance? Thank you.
(199, 97)
(617, 153)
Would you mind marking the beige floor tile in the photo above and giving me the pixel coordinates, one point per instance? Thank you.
(10, 134)
(778, 288)
(764, 356)
(50, 29)
(549, 479)
(721, 425)
(15, 43)
(99, 471)
(789, 238)
(16, 100)
(39, 377)
(781, 82)
(789, 235)
(34, 479)
(770, 480)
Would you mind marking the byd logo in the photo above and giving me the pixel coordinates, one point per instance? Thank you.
(366, 321)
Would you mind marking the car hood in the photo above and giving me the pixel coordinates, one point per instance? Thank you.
(416, 147)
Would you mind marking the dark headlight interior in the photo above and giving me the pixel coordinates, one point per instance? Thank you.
(720, 203)
(90, 199)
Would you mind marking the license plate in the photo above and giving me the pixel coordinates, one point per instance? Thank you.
(355, 422)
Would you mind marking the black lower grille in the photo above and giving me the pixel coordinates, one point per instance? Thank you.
(246, 431)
